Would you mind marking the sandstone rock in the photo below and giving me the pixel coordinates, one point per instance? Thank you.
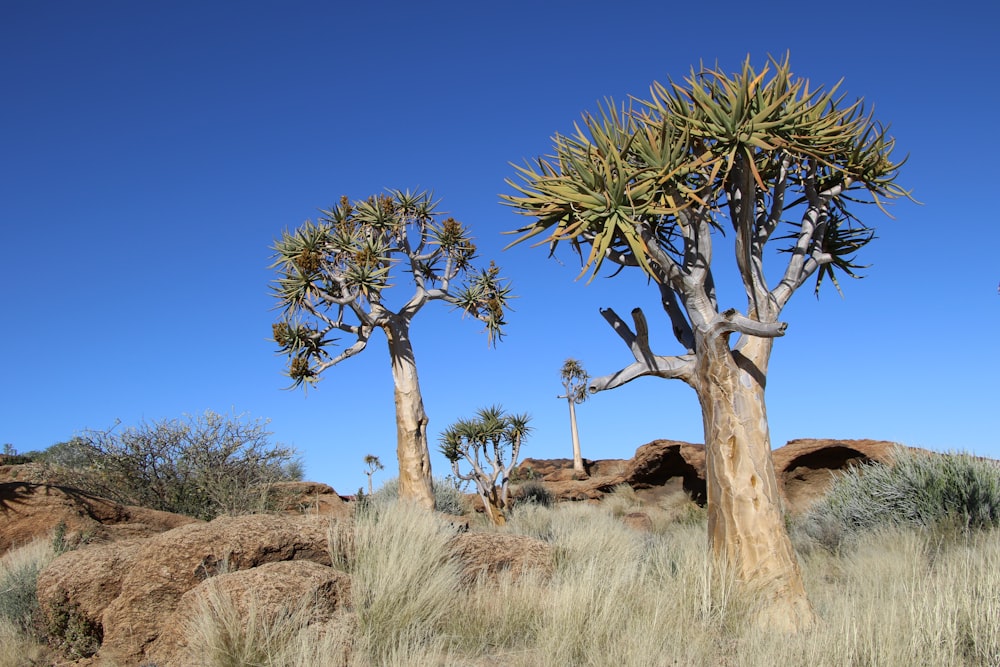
(90, 578)
(638, 521)
(264, 594)
(489, 554)
(806, 467)
(659, 467)
(152, 579)
(309, 498)
(34, 510)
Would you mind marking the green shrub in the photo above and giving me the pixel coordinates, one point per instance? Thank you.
(18, 599)
(448, 498)
(533, 493)
(19, 570)
(201, 466)
(71, 631)
(917, 489)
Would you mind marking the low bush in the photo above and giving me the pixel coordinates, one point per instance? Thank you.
(201, 466)
(533, 493)
(18, 578)
(916, 489)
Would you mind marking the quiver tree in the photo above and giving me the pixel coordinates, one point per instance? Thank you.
(334, 276)
(654, 185)
(374, 464)
(490, 443)
(574, 380)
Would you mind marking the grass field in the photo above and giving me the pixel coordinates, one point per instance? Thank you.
(616, 597)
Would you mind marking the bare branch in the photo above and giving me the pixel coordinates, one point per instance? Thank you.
(732, 321)
(646, 363)
(363, 334)
(681, 326)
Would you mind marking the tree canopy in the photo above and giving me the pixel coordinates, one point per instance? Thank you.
(333, 275)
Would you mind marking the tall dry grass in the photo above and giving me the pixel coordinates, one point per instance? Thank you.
(19, 570)
(616, 597)
(627, 598)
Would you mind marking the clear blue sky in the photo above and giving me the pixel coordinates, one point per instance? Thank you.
(150, 152)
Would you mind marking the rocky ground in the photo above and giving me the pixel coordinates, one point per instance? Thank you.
(137, 572)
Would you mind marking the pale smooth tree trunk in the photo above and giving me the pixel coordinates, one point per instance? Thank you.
(577, 457)
(415, 480)
(746, 525)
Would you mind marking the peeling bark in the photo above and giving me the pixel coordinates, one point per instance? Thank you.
(415, 480)
(745, 519)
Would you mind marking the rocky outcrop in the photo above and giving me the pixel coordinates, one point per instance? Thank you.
(804, 468)
(126, 590)
(30, 511)
(659, 467)
(308, 498)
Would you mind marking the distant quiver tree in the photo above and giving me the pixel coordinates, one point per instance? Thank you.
(654, 185)
(334, 275)
(374, 464)
(574, 380)
(490, 443)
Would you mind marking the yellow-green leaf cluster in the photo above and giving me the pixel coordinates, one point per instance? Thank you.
(631, 175)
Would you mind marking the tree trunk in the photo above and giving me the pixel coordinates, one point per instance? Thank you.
(577, 457)
(493, 507)
(415, 481)
(746, 525)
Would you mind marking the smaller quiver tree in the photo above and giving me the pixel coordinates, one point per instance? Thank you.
(574, 380)
(335, 275)
(374, 464)
(485, 442)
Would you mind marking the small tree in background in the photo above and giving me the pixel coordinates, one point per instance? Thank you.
(374, 464)
(490, 443)
(334, 275)
(574, 379)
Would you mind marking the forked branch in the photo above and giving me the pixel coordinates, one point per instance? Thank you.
(646, 363)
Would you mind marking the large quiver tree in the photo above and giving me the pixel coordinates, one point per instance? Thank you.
(334, 275)
(653, 185)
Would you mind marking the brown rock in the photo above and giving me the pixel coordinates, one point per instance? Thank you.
(309, 498)
(265, 593)
(638, 521)
(805, 468)
(91, 578)
(34, 510)
(152, 579)
(489, 554)
(659, 467)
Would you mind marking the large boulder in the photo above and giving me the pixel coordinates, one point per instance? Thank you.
(488, 555)
(133, 590)
(263, 595)
(32, 510)
(806, 467)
